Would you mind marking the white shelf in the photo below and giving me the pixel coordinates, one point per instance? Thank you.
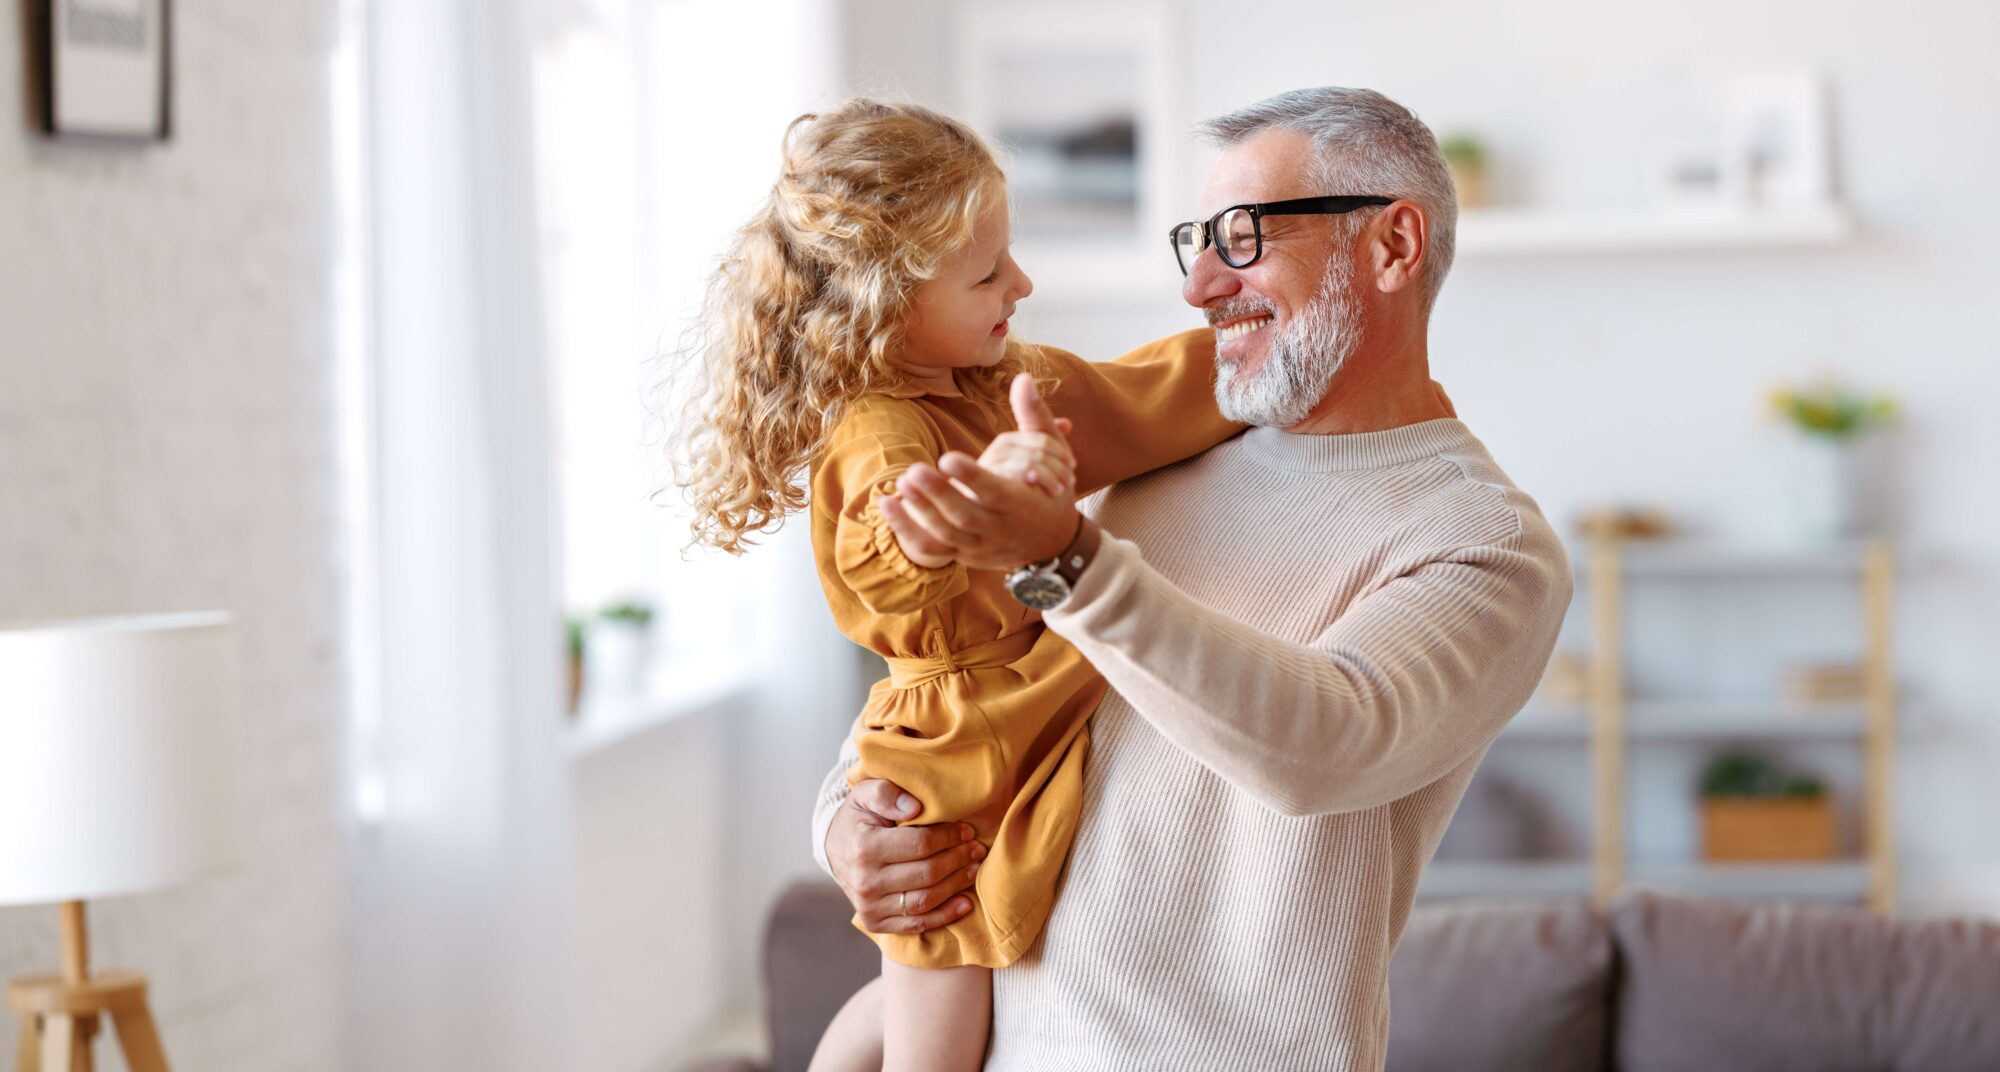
(1521, 232)
(1697, 558)
(1839, 880)
(1664, 721)
(1672, 721)
(1505, 878)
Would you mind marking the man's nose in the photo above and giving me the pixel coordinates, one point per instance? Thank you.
(1208, 280)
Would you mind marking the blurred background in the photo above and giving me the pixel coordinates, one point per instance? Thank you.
(357, 345)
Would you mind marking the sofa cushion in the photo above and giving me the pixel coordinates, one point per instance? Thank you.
(1499, 986)
(814, 960)
(1715, 985)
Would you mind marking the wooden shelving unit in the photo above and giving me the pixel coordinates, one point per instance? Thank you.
(1612, 722)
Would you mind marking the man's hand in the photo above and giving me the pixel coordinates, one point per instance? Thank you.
(900, 879)
(1037, 459)
(964, 512)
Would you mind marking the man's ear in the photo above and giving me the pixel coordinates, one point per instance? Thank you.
(1401, 239)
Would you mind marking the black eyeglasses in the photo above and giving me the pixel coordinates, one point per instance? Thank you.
(1237, 232)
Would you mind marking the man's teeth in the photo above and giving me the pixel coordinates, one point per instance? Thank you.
(1240, 329)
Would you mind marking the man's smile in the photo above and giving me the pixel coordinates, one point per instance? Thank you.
(1236, 329)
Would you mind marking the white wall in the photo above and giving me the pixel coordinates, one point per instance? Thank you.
(166, 442)
(1642, 377)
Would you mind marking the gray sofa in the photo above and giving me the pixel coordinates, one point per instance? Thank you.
(1650, 984)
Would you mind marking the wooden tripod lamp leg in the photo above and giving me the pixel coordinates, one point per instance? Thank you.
(58, 1042)
(29, 1053)
(140, 1040)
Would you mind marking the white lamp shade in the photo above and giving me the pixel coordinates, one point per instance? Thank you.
(117, 755)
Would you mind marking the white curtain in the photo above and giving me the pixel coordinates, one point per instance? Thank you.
(461, 878)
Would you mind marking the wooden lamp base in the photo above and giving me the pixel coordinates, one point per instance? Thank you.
(59, 1019)
(60, 1013)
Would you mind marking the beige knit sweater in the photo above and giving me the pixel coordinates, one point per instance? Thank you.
(1311, 641)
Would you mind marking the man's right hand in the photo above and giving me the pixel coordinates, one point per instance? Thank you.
(901, 879)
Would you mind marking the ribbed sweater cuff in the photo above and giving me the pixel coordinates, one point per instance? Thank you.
(1110, 570)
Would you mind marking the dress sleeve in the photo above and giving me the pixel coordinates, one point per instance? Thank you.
(873, 447)
(1149, 408)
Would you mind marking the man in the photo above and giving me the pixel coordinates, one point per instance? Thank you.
(1312, 633)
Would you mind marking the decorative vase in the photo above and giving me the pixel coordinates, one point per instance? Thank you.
(614, 656)
(1826, 505)
(1470, 182)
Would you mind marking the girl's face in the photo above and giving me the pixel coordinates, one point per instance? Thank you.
(958, 318)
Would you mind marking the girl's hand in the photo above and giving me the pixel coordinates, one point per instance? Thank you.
(1036, 459)
(912, 550)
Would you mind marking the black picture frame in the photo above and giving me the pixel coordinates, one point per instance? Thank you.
(102, 72)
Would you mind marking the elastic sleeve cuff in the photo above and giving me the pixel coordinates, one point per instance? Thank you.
(875, 568)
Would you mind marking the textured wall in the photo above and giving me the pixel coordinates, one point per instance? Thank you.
(166, 441)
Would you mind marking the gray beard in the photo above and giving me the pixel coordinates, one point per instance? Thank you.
(1301, 361)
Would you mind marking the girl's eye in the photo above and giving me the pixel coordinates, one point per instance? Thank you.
(991, 277)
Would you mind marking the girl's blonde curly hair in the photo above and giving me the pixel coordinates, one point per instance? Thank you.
(808, 306)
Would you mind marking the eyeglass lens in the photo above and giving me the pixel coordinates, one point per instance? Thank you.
(1234, 232)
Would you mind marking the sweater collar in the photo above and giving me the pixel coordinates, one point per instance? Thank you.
(1362, 450)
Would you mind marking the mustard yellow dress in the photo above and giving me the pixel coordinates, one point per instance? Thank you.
(982, 716)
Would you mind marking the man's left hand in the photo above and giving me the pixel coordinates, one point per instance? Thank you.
(986, 521)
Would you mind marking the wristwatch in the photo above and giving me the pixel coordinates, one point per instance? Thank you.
(1047, 585)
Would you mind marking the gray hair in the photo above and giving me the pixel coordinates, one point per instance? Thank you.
(1365, 144)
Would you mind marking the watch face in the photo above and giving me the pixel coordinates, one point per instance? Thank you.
(1042, 591)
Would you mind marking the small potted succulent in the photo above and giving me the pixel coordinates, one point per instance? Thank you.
(615, 648)
(1753, 810)
(1831, 420)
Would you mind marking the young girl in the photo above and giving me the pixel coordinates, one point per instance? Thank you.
(858, 327)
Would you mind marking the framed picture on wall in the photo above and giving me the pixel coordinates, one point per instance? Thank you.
(106, 68)
(1082, 104)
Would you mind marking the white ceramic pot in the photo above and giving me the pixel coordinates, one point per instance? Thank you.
(614, 658)
(1825, 493)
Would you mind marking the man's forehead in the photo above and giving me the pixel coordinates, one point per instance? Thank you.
(1271, 166)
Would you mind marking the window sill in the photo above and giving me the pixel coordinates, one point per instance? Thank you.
(690, 689)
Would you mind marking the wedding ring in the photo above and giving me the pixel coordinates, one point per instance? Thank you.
(903, 903)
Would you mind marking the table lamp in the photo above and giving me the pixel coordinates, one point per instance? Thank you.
(117, 776)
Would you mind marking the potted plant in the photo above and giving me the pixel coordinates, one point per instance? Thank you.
(616, 646)
(1831, 420)
(1752, 810)
(573, 637)
(1465, 154)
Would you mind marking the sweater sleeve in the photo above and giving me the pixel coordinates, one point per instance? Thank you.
(1137, 412)
(1412, 680)
(833, 793)
(868, 452)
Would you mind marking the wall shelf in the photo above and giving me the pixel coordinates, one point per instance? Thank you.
(1527, 232)
(1699, 721)
(1697, 559)
(1506, 878)
(1839, 880)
